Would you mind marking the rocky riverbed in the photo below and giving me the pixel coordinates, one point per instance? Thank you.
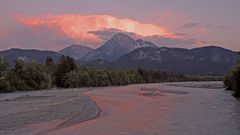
(170, 108)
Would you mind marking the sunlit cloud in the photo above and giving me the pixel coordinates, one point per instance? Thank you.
(80, 27)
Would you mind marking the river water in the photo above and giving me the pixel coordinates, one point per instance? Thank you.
(203, 112)
(192, 108)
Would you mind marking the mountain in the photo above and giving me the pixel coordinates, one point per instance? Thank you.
(76, 51)
(117, 46)
(205, 60)
(142, 43)
(28, 55)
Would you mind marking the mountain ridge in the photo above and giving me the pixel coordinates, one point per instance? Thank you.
(28, 55)
(76, 51)
(180, 60)
(122, 51)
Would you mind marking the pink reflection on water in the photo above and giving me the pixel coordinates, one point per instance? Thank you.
(124, 112)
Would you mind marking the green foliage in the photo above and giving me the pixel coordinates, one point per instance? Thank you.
(32, 76)
(232, 80)
(71, 80)
(49, 62)
(50, 68)
(19, 66)
(3, 67)
(25, 77)
(65, 65)
(4, 86)
(99, 77)
(35, 77)
(17, 83)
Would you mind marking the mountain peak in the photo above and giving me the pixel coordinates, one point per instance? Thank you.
(119, 45)
(120, 40)
(14, 49)
(121, 36)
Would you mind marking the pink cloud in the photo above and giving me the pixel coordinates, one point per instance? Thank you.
(80, 27)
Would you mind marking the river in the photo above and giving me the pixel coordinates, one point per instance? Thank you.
(191, 108)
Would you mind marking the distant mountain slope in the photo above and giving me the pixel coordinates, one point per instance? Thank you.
(205, 60)
(94, 55)
(142, 43)
(116, 47)
(28, 55)
(76, 51)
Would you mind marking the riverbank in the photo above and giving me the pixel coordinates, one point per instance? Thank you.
(65, 107)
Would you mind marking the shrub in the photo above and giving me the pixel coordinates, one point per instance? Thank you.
(4, 86)
(16, 81)
(29, 77)
(36, 78)
(232, 80)
(76, 79)
(71, 80)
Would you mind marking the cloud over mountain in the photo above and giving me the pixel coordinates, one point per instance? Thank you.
(55, 32)
(80, 27)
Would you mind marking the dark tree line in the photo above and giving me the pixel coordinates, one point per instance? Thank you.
(66, 74)
(24, 77)
(232, 80)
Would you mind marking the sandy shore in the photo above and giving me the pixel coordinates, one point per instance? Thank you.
(126, 110)
(22, 112)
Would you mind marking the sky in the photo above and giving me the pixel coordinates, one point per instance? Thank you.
(55, 24)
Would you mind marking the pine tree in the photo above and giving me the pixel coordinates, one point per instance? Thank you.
(50, 68)
(3, 67)
(65, 65)
(4, 83)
